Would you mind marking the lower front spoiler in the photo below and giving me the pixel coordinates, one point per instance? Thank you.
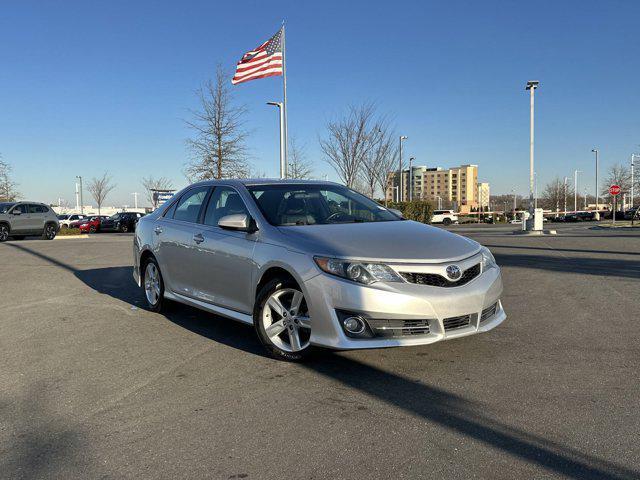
(435, 335)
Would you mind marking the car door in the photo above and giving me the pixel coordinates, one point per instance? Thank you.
(223, 268)
(36, 217)
(20, 219)
(174, 234)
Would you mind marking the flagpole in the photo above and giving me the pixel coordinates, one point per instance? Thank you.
(284, 103)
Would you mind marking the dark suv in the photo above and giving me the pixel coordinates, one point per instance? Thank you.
(19, 219)
(121, 222)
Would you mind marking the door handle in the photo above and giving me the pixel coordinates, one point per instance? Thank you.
(158, 230)
(198, 238)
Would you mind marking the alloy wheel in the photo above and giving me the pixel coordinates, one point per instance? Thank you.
(286, 321)
(4, 233)
(152, 283)
(50, 232)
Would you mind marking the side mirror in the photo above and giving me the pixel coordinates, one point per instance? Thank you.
(396, 211)
(16, 212)
(239, 221)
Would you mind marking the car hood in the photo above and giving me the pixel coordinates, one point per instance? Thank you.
(396, 241)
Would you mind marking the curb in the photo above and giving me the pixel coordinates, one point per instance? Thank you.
(535, 233)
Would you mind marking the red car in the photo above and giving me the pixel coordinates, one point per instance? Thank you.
(91, 224)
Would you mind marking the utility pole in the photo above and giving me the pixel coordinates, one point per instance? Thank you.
(531, 86)
(81, 200)
(633, 156)
(135, 199)
(595, 150)
(400, 193)
(575, 190)
(565, 194)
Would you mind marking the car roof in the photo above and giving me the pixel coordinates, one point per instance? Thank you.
(264, 181)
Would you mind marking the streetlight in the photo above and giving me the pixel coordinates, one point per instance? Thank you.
(566, 179)
(402, 137)
(597, 216)
(283, 163)
(575, 189)
(411, 159)
(535, 197)
(81, 200)
(135, 199)
(531, 86)
(633, 156)
(439, 202)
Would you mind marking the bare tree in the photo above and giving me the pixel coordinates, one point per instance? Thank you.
(150, 184)
(299, 166)
(380, 160)
(8, 192)
(554, 195)
(349, 141)
(100, 188)
(617, 174)
(218, 146)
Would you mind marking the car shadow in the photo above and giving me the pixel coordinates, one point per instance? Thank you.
(429, 402)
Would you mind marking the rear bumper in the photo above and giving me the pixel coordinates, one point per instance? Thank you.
(398, 302)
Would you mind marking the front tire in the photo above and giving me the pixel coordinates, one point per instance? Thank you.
(446, 221)
(153, 285)
(282, 322)
(124, 228)
(92, 229)
(49, 232)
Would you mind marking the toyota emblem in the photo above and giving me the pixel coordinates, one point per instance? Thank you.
(454, 272)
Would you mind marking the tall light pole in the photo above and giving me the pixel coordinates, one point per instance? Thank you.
(531, 86)
(135, 199)
(81, 200)
(283, 162)
(565, 194)
(633, 156)
(575, 189)
(402, 137)
(439, 202)
(595, 150)
(535, 197)
(411, 159)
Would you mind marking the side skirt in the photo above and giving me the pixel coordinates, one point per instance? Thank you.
(208, 307)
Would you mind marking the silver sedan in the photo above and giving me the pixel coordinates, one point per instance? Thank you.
(314, 264)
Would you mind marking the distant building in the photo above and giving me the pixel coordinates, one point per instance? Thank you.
(483, 195)
(457, 186)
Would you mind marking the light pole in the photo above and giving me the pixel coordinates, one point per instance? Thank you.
(439, 202)
(411, 159)
(81, 200)
(135, 199)
(531, 86)
(402, 137)
(633, 156)
(595, 150)
(535, 197)
(565, 195)
(397, 189)
(575, 189)
(283, 162)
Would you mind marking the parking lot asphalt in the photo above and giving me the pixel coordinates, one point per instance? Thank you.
(94, 386)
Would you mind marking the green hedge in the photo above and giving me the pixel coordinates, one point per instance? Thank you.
(416, 210)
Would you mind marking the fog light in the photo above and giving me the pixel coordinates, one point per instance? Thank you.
(354, 325)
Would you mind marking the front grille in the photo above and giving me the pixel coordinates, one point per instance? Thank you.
(489, 312)
(457, 322)
(398, 328)
(435, 280)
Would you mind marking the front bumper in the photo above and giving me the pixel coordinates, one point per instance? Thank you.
(402, 301)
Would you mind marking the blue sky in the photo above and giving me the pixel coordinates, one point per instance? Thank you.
(88, 87)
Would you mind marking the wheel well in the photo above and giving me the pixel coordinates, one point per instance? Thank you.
(146, 255)
(274, 272)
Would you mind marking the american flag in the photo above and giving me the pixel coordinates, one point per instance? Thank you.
(264, 61)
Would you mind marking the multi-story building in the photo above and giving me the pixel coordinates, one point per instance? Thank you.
(454, 186)
(483, 195)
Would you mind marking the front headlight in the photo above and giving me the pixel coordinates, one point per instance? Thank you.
(361, 272)
(487, 259)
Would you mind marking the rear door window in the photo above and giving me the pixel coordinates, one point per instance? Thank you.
(223, 201)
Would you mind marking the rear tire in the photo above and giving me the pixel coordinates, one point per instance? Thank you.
(124, 228)
(49, 232)
(153, 285)
(92, 229)
(446, 221)
(4, 232)
(282, 345)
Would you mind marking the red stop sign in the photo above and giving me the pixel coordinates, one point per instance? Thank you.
(614, 190)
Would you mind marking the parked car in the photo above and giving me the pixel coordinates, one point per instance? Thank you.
(92, 224)
(586, 216)
(446, 217)
(66, 220)
(311, 263)
(631, 213)
(19, 219)
(121, 222)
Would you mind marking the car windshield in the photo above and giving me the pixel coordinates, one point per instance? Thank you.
(115, 216)
(4, 207)
(312, 204)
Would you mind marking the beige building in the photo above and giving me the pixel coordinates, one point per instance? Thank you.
(458, 185)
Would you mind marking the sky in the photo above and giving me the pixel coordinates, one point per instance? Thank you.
(88, 87)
